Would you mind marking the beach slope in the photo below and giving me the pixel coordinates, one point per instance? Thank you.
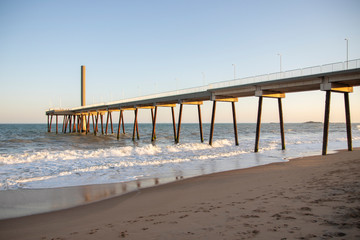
(312, 197)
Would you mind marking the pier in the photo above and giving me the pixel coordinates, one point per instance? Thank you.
(339, 77)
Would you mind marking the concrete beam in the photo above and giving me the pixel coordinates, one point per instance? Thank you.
(269, 94)
(336, 87)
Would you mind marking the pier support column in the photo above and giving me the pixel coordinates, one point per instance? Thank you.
(102, 123)
(326, 122)
(74, 124)
(50, 122)
(179, 124)
(281, 124)
(63, 125)
(88, 124)
(96, 123)
(348, 121)
(70, 123)
(212, 123)
(135, 126)
(78, 124)
(56, 124)
(93, 121)
(66, 122)
(153, 136)
(200, 124)
(111, 124)
(235, 124)
(119, 125)
(258, 125)
(107, 122)
(123, 123)
(174, 125)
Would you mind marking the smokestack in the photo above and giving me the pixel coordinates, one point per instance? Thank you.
(83, 103)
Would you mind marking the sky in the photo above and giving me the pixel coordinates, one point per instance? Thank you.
(133, 48)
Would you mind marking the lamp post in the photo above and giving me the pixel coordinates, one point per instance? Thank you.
(234, 71)
(280, 61)
(347, 53)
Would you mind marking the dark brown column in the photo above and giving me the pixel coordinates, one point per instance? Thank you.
(153, 137)
(200, 124)
(173, 120)
(212, 123)
(348, 121)
(326, 122)
(70, 123)
(63, 125)
(235, 124)
(119, 125)
(179, 124)
(88, 124)
(111, 123)
(93, 121)
(107, 122)
(56, 124)
(258, 125)
(96, 123)
(102, 125)
(74, 124)
(135, 124)
(281, 125)
(50, 123)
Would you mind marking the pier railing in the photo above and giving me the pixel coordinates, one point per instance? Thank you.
(327, 68)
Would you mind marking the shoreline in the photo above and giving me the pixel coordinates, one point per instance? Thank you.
(215, 206)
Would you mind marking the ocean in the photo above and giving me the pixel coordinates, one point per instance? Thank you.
(32, 158)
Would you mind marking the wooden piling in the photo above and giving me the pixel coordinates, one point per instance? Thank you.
(123, 124)
(119, 125)
(63, 125)
(88, 124)
(50, 122)
(93, 121)
(56, 124)
(200, 124)
(111, 123)
(153, 137)
(70, 123)
(135, 124)
(326, 122)
(66, 122)
(235, 123)
(258, 125)
(102, 127)
(173, 120)
(179, 124)
(281, 124)
(348, 121)
(212, 123)
(74, 124)
(96, 123)
(107, 122)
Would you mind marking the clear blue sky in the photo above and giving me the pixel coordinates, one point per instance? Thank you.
(143, 47)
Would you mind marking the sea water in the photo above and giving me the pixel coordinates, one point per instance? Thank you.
(32, 158)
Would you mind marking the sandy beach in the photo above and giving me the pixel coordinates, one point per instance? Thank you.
(307, 198)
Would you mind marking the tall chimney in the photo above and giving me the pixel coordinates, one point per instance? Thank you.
(83, 103)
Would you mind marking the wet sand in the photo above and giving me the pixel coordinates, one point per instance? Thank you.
(306, 198)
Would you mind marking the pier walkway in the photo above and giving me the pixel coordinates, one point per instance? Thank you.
(336, 77)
